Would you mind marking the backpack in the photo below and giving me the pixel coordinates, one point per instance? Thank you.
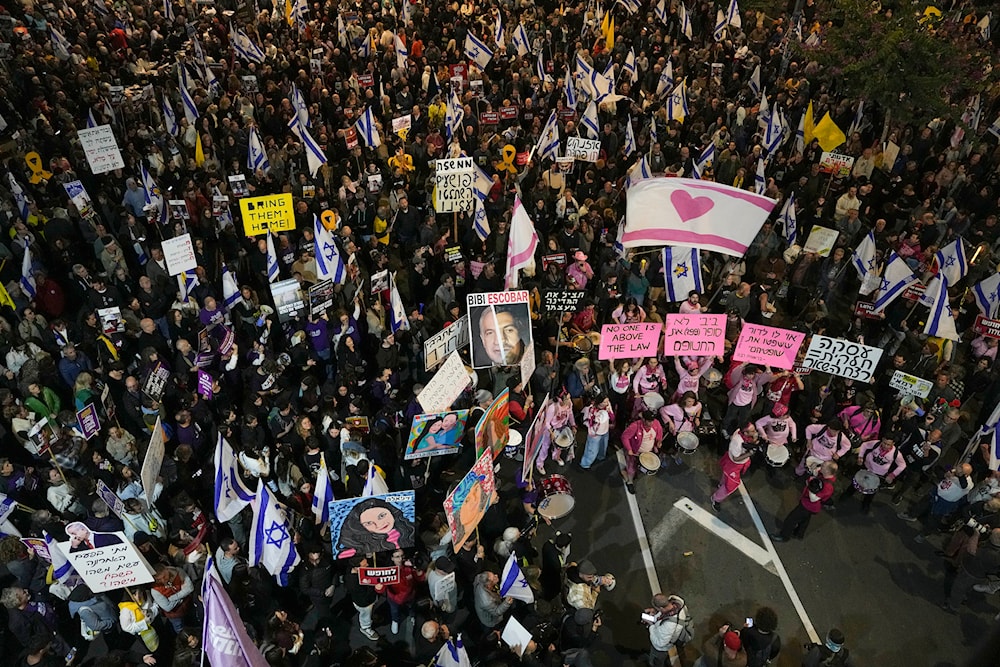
(762, 656)
(830, 659)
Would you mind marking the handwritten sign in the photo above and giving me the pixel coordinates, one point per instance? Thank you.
(272, 213)
(694, 335)
(585, 150)
(821, 240)
(101, 148)
(88, 422)
(453, 337)
(453, 181)
(446, 385)
(179, 254)
(625, 341)
(984, 326)
(910, 384)
(374, 576)
(769, 346)
(156, 382)
(842, 357)
(561, 301)
(108, 568)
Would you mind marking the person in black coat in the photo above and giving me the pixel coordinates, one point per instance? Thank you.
(555, 551)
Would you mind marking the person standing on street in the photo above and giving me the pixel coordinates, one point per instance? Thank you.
(742, 445)
(669, 622)
(760, 639)
(831, 653)
(818, 490)
(642, 435)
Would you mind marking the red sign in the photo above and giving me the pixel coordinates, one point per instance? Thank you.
(866, 310)
(566, 114)
(366, 80)
(522, 159)
(914, 292)
(489, 118)
(371, 576)
(987, 327)
(351, 138)
(508, 113)
(559, 259)
(459, 70)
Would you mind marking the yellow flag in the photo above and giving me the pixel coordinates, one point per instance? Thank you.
(5, 299)
(610, 37)
(199, 152)
(288, 11)
(605, 24)
(809, 126)
(828, 134)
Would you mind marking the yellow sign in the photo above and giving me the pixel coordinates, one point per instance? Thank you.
(38, 171)
(272, 213)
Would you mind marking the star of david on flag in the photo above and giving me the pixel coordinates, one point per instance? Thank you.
(514, 584)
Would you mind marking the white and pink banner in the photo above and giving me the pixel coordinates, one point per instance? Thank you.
(628, 341)
(769, 346)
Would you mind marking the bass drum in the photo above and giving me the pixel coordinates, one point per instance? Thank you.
(557, 497)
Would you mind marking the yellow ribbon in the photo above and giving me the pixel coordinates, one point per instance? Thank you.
(38, 171)
(508, 153)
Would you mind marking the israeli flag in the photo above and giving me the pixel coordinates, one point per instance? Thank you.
(987, 293)
(299, 104)
(800, 135)
(677, 103)
(941, 320)
(452, 654)
(323, 493)
(60, 45)
(401, 53)
(190, 108)
(365, 50)
(397, 320)
(685, 19)
(896, 277)
(168, 10)
(570, 92)
(520, 40)
(300, 11)
(20, 199)
(639, 172)
(652, 133)
(548, 142)
(629, 66)
(719, 33)
(755, 81)
(629, 138)
(256, 155)
(864, 256)
(483, 183)
(994, 445)
(540, 68)
(789, 221)
(27, 277)
(619, 244)
(342, 32)
(476, 51)
(407, 12)
(231, 294)
(631, 5)
(328, 261)
(704, 161)
(315, 157)
(480, 223)
(454, 115)
(681, 272)
(733, 17)
(186, 282)
(600, 85)
(62, 570)
(154, 199)
(498, 30)
(169, 118)
(231, 494)
(367, 129)
(244, 47)
(590, 121)
(951, 261)
(661, 12)
(513, 583)
(760, 179)
(271, 542)
(585, 73)
(91, 121)
(272, 259)
(859, 118)
(774, 132)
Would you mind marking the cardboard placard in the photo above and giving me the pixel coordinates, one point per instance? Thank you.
(701, 335)
(453, 181)
(436, 434)
(320, 297)
(910, 384)
(372, 576)
(153, 460)
(101, 148)
(450, 339)
(627, 341)
(836, 163)
(467, 503)
(585, 150)
(768, 346)
(88, 422)
(842, 357)
(273, 213)
(179, 254)
(205, 385)
(238, 185)
(115, 503)
(115, 564)
(402, 123)
(288, 299)
(446, 385)
(821, 240)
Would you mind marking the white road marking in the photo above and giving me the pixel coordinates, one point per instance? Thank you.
(728, 534)
(779, 567)
(640, 533)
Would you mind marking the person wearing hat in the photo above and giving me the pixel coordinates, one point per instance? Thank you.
(584, 585)
(831, 653)
(817, 491)
(742, 445)
(723, 649)
(883, 459)
(580, 270)
(669, 622)
(579, 630)
(778, 430)
(644, 434)
(746, 381)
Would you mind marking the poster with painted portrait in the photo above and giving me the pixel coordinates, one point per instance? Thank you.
(436, 434)
(500, 328)
(493, 429)
(373, 524)
(533, 440)
(469, 500)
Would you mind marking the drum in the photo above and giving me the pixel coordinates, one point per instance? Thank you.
(563, 438)
(707, 429)
(687, 442)
(712, 378)
(582, 343)
(653, 401)
(866, 482)
(557, 497)
(776, 455)
(515, 439)
(649, 463)
(595, 338)
(813, 464)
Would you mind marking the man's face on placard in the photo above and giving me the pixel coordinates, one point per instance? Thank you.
(500, 337)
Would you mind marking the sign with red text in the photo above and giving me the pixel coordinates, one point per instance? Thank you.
(986, 327)
(768, 346)
(373, 576)
(627, 341)
(696, 335)
(105, 561)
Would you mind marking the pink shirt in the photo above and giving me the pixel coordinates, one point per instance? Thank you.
(880, 462)
(823, 443)
(777, 431)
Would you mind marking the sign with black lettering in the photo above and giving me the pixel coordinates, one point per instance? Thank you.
(453, 181)
(842, 357)
(561, 301)
(585, 150)
(272, 213)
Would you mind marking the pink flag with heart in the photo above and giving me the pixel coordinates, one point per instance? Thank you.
(698, 214)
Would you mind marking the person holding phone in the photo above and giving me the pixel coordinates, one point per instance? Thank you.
(761, 642)
(669, 622)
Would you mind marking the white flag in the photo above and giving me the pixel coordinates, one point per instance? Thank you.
(272, 259)
(231, 494)
(896, 277)
(941, 320)
(329, 263)
(521, 243)
(477, 51)
(323, 493)
(681, 272)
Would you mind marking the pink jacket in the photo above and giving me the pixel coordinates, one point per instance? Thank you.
(632, 437)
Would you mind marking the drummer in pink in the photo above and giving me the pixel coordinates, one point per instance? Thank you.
(690, 372)
(642, 435)
(779, 430)
(882, 459)
(558, 416)
(824, 443)
(742, 445)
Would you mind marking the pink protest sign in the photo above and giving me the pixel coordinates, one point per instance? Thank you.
(627, 341)
(769, 346)
(696, 335)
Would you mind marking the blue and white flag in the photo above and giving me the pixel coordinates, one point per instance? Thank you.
(585, 74)
(190, 108)
(864, 256)
(301, 109)
(329, 263)
(272, 259)
(800, 135)
(760, 178)
(639, 172)
(774, 133)
(315, 157)
(590, 121)
(256, 154)
(323, 491)
(540, 68)
(755, 81)
(169, 117)
(91, 121)
(705, 160)
(629, 138)
(619, 244)
(407, 13)
(733, 17)
(513, 583)
(480, 223)
(665, 84)
(231, 494)
(629, 66)
(498, 30)
(365, 49)
(677, 103)
(168, 10)
(652, 133)
(685, 21)
(300, 13)
(367, 129)
(482, 183)
(600, 85)
(951, 261)
(27, 275)
(941, 320)
(789, 221)
(719, 33)
(271, 541)
(681, 272)
(660, 10)
(987, 293)
(20, 199)
(186, 282)
(609, 73)
(342, 32)
(244, 47)
(61, 567)
(631, 5)
(859, 117)
(570, 92)
(477, 51)
(60, 45)
(397, 313)
(402, 53)
(454, 115)
(520, 41)
(452, 654)
(548, 142)
(154, 199)
(896, 277)
(231, 294)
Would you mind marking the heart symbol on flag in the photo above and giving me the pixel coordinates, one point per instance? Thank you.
(688, 207)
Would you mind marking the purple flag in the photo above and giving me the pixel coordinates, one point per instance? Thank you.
(224, 638)
(204, 384)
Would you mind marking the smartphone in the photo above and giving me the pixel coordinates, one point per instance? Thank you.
(647, 618)
(71, 655)
(749, 622)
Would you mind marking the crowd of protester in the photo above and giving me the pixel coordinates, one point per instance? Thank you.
(283, 393)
